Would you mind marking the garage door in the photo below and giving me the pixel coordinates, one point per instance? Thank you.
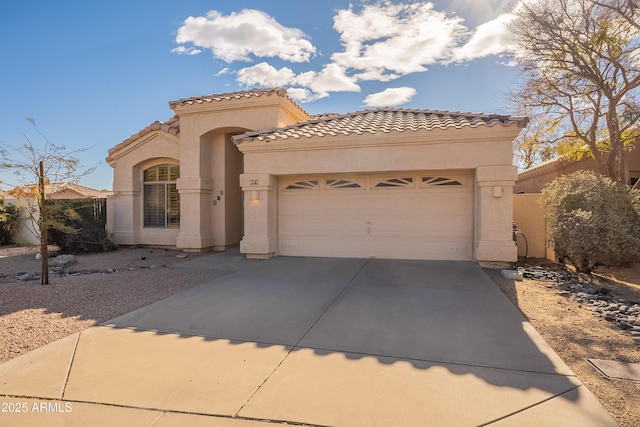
(426, 215)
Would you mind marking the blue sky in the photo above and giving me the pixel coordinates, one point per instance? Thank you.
(93, 73)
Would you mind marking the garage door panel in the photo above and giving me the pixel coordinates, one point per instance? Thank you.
(412, 220)
(442, 205)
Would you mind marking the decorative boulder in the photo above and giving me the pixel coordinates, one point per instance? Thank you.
(63, 261)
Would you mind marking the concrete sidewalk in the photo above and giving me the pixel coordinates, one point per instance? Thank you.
(314, 341)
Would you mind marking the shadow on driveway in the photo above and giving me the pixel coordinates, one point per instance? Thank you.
(319, 341)
(422, 312)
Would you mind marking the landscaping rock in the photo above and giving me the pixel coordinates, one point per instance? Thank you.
(592, 294)
(63, 261)
(25, 277)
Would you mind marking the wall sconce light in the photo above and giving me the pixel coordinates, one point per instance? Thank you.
(497, 191)
(255, 197)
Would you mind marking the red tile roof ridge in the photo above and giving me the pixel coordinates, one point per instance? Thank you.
(452, 119)
(280, 91)
(171, 126)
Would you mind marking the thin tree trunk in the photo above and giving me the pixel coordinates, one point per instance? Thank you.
(616, 162)
(44, 244)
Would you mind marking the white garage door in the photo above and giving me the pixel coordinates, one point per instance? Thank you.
(426, 215)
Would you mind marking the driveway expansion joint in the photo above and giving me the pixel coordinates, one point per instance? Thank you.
(333, 301)
(531, 406)
(73, 356)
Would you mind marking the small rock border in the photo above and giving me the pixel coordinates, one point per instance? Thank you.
(59, 272)
(591, 293)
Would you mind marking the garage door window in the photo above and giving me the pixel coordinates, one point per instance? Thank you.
(430, 181)
(341, 183)
(395, 183)
(303, 185)
(161, 198)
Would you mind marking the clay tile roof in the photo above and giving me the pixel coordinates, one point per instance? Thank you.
(56, 187)
(228, 96)
(383, 120)
(171, 126)
(541, 166)
(80, 189)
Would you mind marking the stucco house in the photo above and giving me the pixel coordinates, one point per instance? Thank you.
(534, 179)
(254, 169)
(22, 195)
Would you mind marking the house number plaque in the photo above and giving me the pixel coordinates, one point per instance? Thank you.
(253, 182)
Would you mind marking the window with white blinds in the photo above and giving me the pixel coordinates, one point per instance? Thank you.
(161, 198)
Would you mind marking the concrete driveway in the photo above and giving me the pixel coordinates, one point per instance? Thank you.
(313, 341)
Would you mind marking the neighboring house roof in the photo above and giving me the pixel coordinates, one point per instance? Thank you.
(58, 187)
(542, 167)
(171, 126)
(76, 188)
(381, 120)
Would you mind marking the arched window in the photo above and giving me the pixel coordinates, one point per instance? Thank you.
(161, 199)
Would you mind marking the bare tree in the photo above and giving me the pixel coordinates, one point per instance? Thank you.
(35, 165)
(580, 62)
(537, 142)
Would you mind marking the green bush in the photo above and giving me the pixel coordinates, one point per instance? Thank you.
(74, 228)
(593, 220)
(9, 222)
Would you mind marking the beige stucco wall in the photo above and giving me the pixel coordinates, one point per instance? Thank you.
(27, 233)
(534, 179)
(153, 149)
(528, 214)
(485, 150)
(210, 167)
(215, 164)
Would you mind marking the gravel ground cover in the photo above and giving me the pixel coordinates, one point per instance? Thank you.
(577, 333)
(32, 315)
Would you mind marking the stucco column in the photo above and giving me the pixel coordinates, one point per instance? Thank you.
(125, 219)
(260, 210)
(195, 223)
(494, 214)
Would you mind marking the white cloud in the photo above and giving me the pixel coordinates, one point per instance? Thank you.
(478, 12)
(381, 41)
(304, 95)
(264, 74)
(390, 97)
(389, 39)
(333, 78)
(307, 86)
(490, 38)
(376, 75)
(181, 50)
(249, 32)
(224, 71)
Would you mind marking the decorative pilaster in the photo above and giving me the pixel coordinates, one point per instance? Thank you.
(260, 215)
(494, 214)
(195, 223)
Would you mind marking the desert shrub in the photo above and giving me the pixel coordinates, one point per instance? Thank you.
(593, 220)
(75, 229)
(9, 222)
